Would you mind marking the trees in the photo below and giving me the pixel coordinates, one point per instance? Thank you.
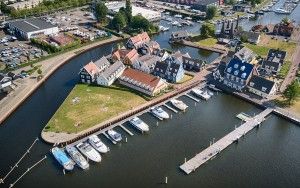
(244, 38)
(128, 10)
(139, 22)
(118, 22)
(101, 11)
(292, 92)
(254, 2)
(211, 12)
(207, 30)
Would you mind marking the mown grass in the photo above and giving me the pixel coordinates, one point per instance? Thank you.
(94, 105)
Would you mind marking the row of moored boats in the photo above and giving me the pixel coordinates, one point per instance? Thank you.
(92, 149)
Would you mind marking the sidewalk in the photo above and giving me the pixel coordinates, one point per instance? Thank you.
(23, 90)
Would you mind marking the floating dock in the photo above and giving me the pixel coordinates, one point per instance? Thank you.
(170, 108)
(126, 130)
(191, 97)
(243, 116)
(215, 148)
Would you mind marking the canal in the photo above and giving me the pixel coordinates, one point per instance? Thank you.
(266, 157)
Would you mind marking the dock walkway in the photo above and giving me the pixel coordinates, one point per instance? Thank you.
(223, 143)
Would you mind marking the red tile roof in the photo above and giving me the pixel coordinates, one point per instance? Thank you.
(91, 68)
(141, 77)
(143, 37)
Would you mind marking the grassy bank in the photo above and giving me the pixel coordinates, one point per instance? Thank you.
(208, 42)
(267, 43)
(87, 106)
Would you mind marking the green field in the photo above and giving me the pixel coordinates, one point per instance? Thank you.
(266, 43)
(209, 42)
(87, 106)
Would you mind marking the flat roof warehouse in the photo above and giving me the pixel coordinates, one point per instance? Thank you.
(30, 25)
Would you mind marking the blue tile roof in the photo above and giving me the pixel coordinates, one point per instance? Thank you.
(239, 69)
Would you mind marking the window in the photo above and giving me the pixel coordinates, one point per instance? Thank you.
(251, 84)
(264, 89)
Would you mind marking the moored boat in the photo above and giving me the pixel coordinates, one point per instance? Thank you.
(62, 158)
(139, 124)
(87, 150)
(95, 141)
(114, 135)
(179, 104)
(202, 94)
(159, 112)
(77, 157)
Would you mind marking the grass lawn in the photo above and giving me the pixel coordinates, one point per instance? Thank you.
(266, 43)
(294, 108)
(210, 42)
(87, 106)
(185, 78)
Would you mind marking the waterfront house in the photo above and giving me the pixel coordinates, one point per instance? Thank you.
(110, 74)
(137, 41)
(241, 7)
(171, 69)
(203, 5)
(245, 55)
(252, 37)
(191, 64)
(219, 73)
(142, 82)
(274, 61)
(146, 63)
(284, 29)
(237, 74)
(261, 86)
(88, 74)
(5, 83)
(178, 36)
(125, 55)
(149, 48)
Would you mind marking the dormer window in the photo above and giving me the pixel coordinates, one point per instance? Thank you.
(236, 72)
(251, 84)
(244, 75)
(264, 89)
(243, 68)
(229, 70)
(236, 66)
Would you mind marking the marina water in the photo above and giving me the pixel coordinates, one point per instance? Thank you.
(266, 157)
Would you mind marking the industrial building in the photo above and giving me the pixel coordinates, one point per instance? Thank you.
(28, 28)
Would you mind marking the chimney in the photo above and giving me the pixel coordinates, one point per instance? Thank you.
(237, 22)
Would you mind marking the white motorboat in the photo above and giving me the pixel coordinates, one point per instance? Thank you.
(179, 104)
(139, 124)
(178, 16)
(175, 23)
(77, 157)
(95, 141)
(213, 87)
(281, 11)
(201, 94)
(159, 112)
(169, 19)
(114, 135)
(162, 28)
(188, 18)
(87, 150)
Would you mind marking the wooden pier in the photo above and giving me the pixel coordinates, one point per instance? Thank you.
(126, 130)
(215, 148)
(170, 108)
(109, 138)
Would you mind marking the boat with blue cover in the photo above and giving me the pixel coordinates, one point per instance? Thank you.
(62, 158)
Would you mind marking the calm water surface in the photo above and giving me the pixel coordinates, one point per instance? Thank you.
(266, 157)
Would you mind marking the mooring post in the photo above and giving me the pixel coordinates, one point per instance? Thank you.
(126, 139)
(157, 123)
(166, 180)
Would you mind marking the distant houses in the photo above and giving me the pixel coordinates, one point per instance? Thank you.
(138, 41)
(142, 82)
(125, 55)
(146, 63)
(178, 36)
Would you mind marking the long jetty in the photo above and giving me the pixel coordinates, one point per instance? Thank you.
(217, 147)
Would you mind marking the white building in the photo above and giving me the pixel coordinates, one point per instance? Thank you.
(110, 74)
(28, 28)
(150, 15)
(25, 4)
